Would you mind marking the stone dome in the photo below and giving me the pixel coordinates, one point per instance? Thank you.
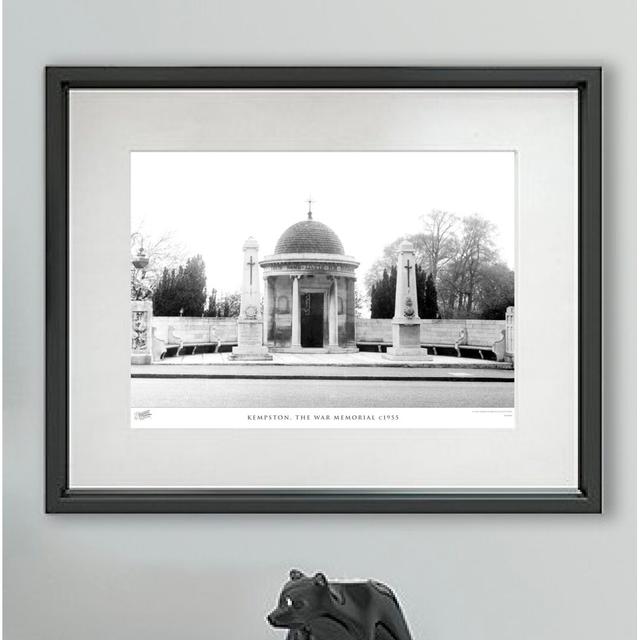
(309, 236)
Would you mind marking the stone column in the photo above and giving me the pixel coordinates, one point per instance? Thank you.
(406, 290)
(250, 298)
(295, 312)
(510, 326)
(141, 338)
(250, 344)
(333, 314)
(406, 322)
(266, 311)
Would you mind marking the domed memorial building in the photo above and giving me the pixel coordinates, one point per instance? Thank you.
(309, 291)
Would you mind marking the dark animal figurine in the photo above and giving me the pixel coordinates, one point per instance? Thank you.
(312, 608)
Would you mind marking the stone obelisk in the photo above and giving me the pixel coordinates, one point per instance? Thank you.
(250, 345)
(406, 322)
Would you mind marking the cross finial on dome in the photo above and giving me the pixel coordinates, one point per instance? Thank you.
(309, 213)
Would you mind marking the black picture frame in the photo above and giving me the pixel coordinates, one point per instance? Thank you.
(61, 499)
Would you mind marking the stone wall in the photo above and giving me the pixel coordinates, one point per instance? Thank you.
(479, 332)
(207, 330)
(203, 330)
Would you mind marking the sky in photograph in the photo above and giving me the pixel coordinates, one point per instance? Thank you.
(212, 201)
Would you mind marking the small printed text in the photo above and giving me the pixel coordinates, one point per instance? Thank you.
(320, 417)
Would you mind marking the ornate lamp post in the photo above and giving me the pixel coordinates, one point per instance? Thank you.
(140, 290)
(141, 308)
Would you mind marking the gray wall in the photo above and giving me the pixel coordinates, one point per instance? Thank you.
(479, 332)
(205, 577)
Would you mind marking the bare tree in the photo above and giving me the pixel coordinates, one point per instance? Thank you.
(459, 253)
(439, 239)
(361, 302)
(163, 251)
(474, 248)
(389, 257)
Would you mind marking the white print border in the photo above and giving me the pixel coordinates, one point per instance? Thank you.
(314, 418)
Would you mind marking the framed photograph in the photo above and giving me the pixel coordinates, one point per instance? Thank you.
(323, 289)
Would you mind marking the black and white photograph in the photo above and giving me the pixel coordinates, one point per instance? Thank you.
(379, 286)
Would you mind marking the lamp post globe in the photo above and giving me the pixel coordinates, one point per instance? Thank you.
(140, 260)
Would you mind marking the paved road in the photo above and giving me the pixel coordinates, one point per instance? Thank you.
(318, 393)
(253, 370)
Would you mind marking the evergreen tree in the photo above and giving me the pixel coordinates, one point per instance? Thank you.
(212, 308)
(164, 294)
(430, 299)
(383, 295)
(181, 290)
(192, 287)
(421, 283)
(373, 300)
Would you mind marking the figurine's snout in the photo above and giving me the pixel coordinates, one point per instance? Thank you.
(281, 617)
(274, 619)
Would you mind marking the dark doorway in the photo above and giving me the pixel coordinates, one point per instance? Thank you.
(311, 319)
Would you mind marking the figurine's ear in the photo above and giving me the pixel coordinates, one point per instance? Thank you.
(320, 579)
(294, 574)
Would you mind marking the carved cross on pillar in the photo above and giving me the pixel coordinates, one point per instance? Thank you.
(251, 264)
(408, 268)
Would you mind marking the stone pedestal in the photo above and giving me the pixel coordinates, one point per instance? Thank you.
(406, 342)
(250, 326)
(141, 315)
(406, 322)
(250, 345)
